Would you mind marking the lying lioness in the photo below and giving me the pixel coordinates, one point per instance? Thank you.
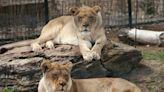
(83, 28)
(57, 78)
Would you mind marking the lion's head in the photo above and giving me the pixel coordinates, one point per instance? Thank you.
(86, 18)
(57, 75)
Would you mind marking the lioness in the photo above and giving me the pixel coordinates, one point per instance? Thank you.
(57, 78)
(84, 28)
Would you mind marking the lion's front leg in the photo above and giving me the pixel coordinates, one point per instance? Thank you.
(85, 50)
(96, 50)
(41, 87)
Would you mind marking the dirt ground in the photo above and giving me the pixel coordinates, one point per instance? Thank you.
(149, 74)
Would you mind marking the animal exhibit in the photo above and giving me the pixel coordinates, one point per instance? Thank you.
(57, 78)
(83, 28)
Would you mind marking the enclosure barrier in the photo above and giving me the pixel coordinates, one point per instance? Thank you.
(24, 19)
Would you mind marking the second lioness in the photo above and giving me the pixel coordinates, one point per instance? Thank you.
(57, 78)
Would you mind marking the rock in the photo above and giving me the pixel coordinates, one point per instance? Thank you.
(121, 59)
(19, 67)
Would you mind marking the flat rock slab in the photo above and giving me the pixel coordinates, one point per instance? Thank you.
(19, 67)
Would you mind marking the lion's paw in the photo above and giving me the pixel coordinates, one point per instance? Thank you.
(96, 56)
(36, 47)
(49, 44)
(88, 56)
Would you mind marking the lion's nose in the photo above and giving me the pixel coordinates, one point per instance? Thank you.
(85, 25)
(62, 83)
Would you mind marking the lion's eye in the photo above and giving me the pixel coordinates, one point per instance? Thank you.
(66, 76)
(79, 18)
(91, 18)
(55, 76)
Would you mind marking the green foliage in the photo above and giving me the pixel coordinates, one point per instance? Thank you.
(7, 89)
(150, 55)
(151, 86)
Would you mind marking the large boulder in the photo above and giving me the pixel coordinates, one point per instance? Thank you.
(19, 67)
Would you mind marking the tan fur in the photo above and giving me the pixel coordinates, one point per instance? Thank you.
(83, 28)
(53, 78)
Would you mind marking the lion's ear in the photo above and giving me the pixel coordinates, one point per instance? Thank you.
(68, 65)
(74, 10)
(45, 65)
(97, 8)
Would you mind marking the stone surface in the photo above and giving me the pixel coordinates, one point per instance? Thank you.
(19, 67)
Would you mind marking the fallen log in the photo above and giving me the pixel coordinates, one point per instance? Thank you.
(147, 37)
(19, 67)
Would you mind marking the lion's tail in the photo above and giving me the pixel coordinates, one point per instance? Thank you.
(7, 47)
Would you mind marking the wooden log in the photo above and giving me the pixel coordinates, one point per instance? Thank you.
(147, 37)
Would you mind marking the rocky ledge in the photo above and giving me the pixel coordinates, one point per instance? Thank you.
(19, 67)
